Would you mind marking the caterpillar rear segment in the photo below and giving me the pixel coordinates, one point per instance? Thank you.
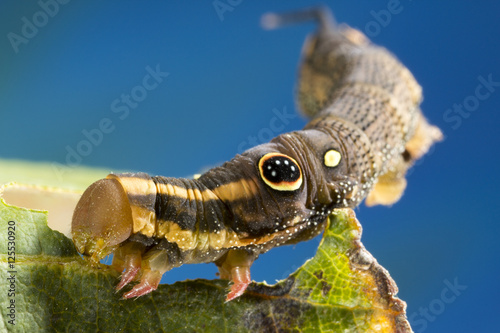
(366, 130)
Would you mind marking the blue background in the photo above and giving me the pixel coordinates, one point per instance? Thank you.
(226, 75)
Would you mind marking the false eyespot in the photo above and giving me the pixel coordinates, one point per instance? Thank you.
(332, 158)
(280, 172)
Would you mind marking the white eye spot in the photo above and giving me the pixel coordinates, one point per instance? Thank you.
(273, 173)
(278, 162)
(292, 167)
(269, 167)
(286, 162)
(332, 158)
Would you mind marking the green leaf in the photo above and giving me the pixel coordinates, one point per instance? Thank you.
(47, 174)
(341, 289)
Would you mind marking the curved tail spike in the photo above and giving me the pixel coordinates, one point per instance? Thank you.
(322, 15)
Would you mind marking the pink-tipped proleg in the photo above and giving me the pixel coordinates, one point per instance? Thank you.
(236, 267)
(102, 219)
(127, 260)
(152, 265)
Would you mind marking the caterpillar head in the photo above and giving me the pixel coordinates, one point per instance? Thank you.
(102, 219)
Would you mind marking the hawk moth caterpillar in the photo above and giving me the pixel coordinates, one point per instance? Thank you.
(366, 130)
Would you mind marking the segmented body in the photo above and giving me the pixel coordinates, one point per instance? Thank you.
(366, 129)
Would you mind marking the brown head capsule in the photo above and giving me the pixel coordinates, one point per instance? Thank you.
(102, 219)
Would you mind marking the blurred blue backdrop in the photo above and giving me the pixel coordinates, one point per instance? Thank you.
(62, 73)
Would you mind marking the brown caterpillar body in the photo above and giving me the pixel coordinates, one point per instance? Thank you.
(366, 130)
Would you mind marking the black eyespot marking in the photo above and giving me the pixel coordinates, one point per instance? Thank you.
(280, 172)
(279, 168)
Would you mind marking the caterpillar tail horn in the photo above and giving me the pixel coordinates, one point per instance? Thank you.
(322, 15)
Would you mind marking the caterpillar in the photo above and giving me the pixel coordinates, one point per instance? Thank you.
(365, 130)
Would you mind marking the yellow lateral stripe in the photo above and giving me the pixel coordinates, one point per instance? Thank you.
(188, 240)
(144, 220)
(185, 193)
(140, 186)
(185, 239)
(238, 190)
(143, 211)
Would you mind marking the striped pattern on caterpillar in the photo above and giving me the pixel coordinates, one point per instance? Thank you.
(366, 130)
